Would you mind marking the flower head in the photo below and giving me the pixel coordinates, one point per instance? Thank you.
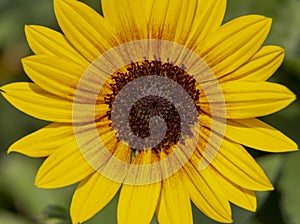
(156, 98)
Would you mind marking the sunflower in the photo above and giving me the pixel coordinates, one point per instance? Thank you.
(155, 99)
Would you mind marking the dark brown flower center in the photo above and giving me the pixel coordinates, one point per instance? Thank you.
(152, 105)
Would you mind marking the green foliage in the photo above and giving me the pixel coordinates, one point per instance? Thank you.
(289, 186)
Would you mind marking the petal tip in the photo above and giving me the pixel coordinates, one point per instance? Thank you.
(227, 219)
(23, 60)
(272, 187)
(28, 26)
(38, 182)
(253, 208)
(28, 29)
(14, 148)
(265, 22)
(75, 219)
(26, 59)
(268, 23)
(280, 50)
(269, 20)
(31, 28)
(293, 96)
(10, 150)
(269, 186)
(293, 146)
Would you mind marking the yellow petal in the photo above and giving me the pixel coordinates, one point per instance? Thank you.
(64, 167)
(226, 190)
(234, 43)
(112, 168)
(44, 41)
(241, 197)
(208, 18)
(127, 17)
(32, 100)
(44, 141)
(207, 194)
(91, 195)
(260, 67)
(56, 75)
(258, 135)
(138, 199)
(87, 31)
(171, 19)
(245, 99)
(174, 206)
(237, 165)
(137, 203)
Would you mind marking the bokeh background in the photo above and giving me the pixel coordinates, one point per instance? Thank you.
(22, 203)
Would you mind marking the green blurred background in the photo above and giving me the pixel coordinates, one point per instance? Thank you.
(22, 203)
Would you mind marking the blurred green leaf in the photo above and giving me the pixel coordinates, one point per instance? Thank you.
(289, 186)
(55, 211)
(10, 218)
(17, 176)
(53, 214)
